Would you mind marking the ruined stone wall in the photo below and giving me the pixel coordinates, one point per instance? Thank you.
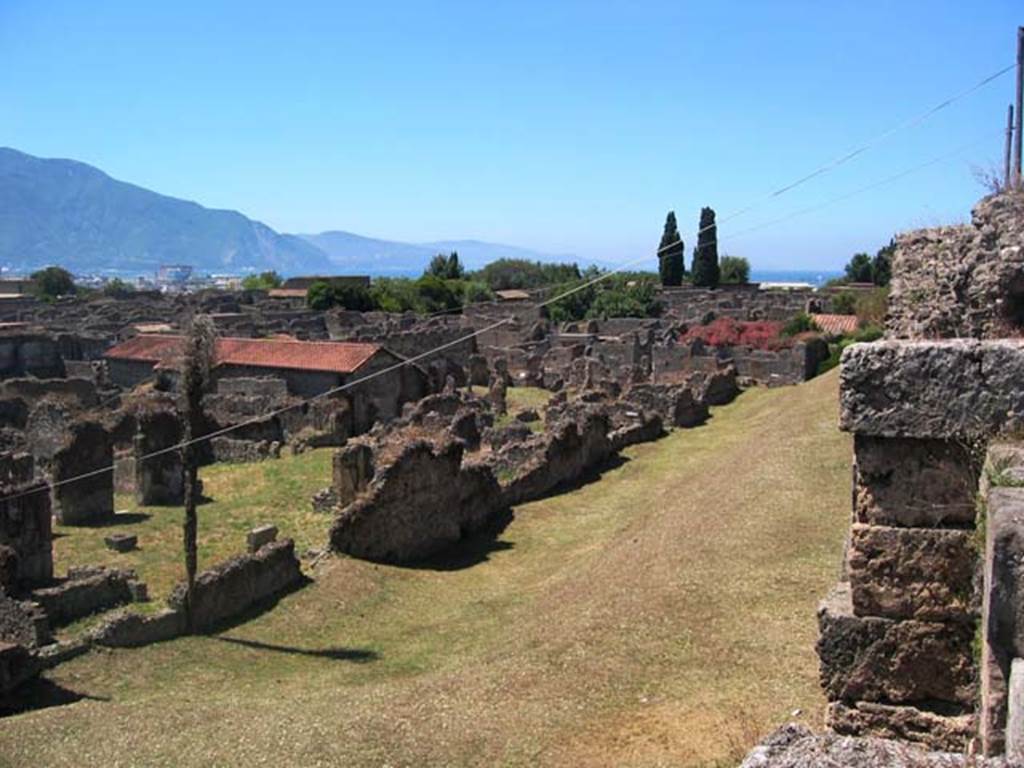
(790, 365)
(160, 478)
(86, 453)
(30, 354)
(964, 281)
(897, 635)
(75, 393)
(26, 538)
(741, 302)
(420, 504)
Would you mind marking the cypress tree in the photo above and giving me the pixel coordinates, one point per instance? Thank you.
(670, 253)
(705, 256)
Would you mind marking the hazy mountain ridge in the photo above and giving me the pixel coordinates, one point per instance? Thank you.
(59, 211)
(69, 213)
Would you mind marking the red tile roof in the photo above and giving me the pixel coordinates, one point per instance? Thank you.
(836, 325)
(330, 356)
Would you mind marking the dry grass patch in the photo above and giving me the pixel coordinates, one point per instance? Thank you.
(663, 615)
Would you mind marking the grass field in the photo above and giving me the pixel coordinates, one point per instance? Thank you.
(661, 615)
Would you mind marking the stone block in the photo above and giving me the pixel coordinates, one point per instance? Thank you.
(23, 622)
(1004, 573)
(121, 542)
(912, 573)
(882, 660)
(1015, 714)
(259, 536)
(16, 666)
(913, 482)
(353, 471)
(949, 730)
(959, 388)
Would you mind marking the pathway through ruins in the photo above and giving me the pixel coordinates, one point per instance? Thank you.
(664, 614)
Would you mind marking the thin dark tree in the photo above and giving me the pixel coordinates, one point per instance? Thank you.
(197, 362)
(670, 253)
(706, 272)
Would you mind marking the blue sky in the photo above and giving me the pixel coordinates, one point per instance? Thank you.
(568, 127)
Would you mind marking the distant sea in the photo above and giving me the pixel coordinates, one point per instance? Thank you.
(816, 277)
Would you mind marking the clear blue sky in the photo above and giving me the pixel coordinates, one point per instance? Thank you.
(562, 126)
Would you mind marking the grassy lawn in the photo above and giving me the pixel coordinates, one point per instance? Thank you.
(242, 497)
(662, 615)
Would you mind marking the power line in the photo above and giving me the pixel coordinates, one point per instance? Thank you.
(821, 170)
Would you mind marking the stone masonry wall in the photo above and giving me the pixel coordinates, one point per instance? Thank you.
(897, 635)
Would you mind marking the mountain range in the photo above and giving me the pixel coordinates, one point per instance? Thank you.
(55, 211)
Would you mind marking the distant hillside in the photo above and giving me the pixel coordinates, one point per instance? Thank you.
(349, 253)
(355, 253)
(69, 213)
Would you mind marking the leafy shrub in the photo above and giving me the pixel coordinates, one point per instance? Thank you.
(735, 270)
(118, 289)
(802, 323)
(504, 274)
(871, 307)
(264, 281)
(52, 283)
(844, 303)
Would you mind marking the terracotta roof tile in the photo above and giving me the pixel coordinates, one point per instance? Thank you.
(330, 356)
(836, 325)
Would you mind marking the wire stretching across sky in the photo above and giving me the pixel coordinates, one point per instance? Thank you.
(821, 170)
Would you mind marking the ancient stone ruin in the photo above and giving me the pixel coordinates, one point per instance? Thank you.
(915, 644)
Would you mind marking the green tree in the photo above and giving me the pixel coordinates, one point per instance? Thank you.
(705, 270)
(844, 303)
(445, 267)
(197, 363)
(118, 289)
(670, 253)
(503, 274)
(320, 295)
(735, 270)
(881, 265)
(354, 297)
(53, 282)
(436, 294)
(859, 269)
(264, 281)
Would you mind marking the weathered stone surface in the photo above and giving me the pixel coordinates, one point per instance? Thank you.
(1015, 713)
(796, 746)
(84, 594)
(912, 573)
(128, 629)
(121, 542)
(962, 281)
(16, 666)
(23, 622)
(83, 490)
(233, 587)
(912, 482)
(160, 478)
(944, 389)
(718, 387)
(882, 660)
(569, 450)
(353, 471)
(1004, 573)
(677, 405)
(949, 730)
(260, 536)
(418, 505)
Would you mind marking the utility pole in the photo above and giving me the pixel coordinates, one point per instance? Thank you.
(1007, 180)
(1020, 106)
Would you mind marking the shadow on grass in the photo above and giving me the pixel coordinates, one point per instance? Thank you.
(41, 693)
(119, 518)
(357, 655)
(468, 551)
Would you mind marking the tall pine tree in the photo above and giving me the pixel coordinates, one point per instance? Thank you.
(670, 253)
(705, 256)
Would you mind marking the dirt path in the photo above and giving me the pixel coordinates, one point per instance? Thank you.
(663, 615)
